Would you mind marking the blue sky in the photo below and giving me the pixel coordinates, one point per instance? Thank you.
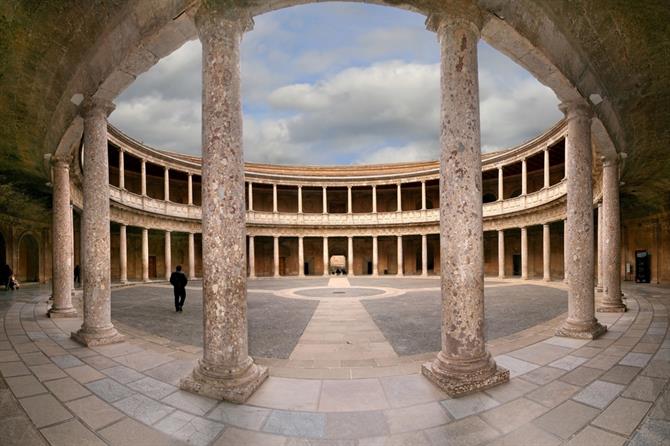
(335, 83)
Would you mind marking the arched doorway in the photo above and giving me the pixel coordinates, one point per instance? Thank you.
(29, 259)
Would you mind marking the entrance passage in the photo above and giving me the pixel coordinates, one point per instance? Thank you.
(29, 259)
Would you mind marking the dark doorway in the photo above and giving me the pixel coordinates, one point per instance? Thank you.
(29, 259)
(516, 264)
(369, 267)
(152, 267)
(305, 269)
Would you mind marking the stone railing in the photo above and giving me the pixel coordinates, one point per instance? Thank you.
(177, 210)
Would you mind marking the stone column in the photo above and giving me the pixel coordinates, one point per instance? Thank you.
(274, 198)
(581, 321)
(524, 177)
(565, 251)
(166, 179)
(547, 168)
(190, 188)
(252, 257)
(143, 178)
(501, 254)
(350, 256)
(599, 246)
(349, 207)
(524, 253)
(275, 256)
(123, 253)
(299, 199)
(325, 257)
(97, 328)
(611, 250)
(424, 255)
(191, 255)
(463, 365)
(374, 199)
(399, 195)
(400, 255)
(325, 200)
(145, 255)
(226, 371)
(546, 252)
(375, 256)
(501, 188)
(62, 242)
(423, 195)
(122, 170)
(301, 257)
(251, 196)
(168, 254)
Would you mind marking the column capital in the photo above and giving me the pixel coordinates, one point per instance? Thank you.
(456, 13)
(94, 105)
(60, 163)
(575, 109)
(610, 162)
(212, 14)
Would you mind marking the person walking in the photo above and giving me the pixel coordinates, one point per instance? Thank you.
(178, 280)
(77, 275)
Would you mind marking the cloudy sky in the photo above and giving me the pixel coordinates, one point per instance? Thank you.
(335, 83)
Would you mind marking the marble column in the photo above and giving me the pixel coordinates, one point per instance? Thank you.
(581, 322)
(400, 255)
(350, 256)
(123, 253)
(251, 196)
(423, 195)
(145, 255)
(143, 178)
(611, 250)
(62, 242)
(374, 199)
(191, 255)
(275, 256)
(501, 188)
(546, 253)
(501, 254)
(375, 256)
(326, 258)
(524, 253)
(226, 371)
(547, 167)
(168, 254)
(599, 246)
(565, 251)
(97, 328)
(399, 195)
(299, 199)
(252, 257)
(122, 170)
(463, 364)
(274, 198)
(424, 255)
(166, 180)
(190, 188)
(301, 257)
(325, 200)
(349, 207)
(524, 177)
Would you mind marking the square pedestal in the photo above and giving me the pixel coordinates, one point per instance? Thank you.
(236, 390)
(460, 387)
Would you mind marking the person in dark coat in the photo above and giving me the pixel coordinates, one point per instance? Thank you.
(77, 275)
(178, 280)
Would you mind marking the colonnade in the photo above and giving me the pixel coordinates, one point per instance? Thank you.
(463, 365)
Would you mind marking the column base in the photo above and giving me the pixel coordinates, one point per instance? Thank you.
(459, 384)
(92, 338)
(547, 279)
(590, 331)
(236, 389)
(613, 307)
(57, 313)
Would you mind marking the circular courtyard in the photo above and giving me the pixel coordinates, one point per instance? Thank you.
(339, 321)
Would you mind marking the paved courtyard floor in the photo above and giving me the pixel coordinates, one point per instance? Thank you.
(342, 373)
